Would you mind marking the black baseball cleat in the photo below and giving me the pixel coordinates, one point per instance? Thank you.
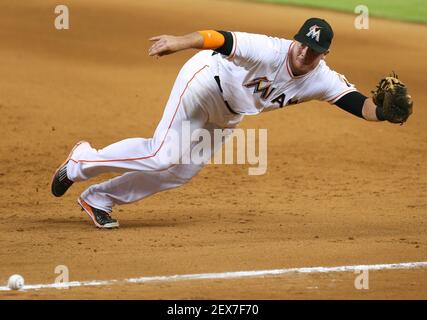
(101, 218)
(60, 182)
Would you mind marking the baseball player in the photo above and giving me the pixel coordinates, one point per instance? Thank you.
(235, 74)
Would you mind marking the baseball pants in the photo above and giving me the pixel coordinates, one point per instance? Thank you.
(152, 165)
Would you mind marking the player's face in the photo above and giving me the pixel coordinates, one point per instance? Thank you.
(305, 59)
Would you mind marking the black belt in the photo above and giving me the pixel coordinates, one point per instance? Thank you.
(220, 89)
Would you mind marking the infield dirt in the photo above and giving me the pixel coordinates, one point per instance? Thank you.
(338, 190)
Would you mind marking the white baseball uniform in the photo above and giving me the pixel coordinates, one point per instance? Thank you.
(256, 77)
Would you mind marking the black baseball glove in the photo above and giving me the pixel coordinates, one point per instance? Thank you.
(393, 102)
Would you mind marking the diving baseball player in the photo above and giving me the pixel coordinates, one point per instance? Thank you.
(235, 74)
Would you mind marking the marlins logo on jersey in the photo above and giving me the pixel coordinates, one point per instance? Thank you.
(314, 32)
(263, 85)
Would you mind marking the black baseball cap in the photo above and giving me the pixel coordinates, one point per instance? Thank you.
(315, 33)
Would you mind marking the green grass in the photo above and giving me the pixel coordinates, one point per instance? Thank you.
(406, 10)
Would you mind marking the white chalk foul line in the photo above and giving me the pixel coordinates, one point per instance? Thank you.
(224, 275)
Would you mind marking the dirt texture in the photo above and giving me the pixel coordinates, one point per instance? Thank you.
(338, 190)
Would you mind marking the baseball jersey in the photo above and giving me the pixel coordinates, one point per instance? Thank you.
(257, 77)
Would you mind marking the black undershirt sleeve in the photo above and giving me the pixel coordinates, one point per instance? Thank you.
(352, 102)
(227, 47)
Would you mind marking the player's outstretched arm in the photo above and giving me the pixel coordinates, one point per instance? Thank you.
(166, 44)
(370, 112)
(390, 102)
(359, 105)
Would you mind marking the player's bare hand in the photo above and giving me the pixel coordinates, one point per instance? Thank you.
(163, 45)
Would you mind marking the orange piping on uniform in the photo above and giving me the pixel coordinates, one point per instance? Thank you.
(164, 138)
(234, 45)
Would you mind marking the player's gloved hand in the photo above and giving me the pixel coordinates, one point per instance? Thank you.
(392, 99)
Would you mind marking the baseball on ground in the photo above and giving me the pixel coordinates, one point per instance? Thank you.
(15, 282)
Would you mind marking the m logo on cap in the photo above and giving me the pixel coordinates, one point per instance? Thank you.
(314, 33)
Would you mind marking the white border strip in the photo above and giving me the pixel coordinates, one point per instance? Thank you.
(224, 275)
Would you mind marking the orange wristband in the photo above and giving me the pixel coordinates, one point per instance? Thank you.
(212, 39)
